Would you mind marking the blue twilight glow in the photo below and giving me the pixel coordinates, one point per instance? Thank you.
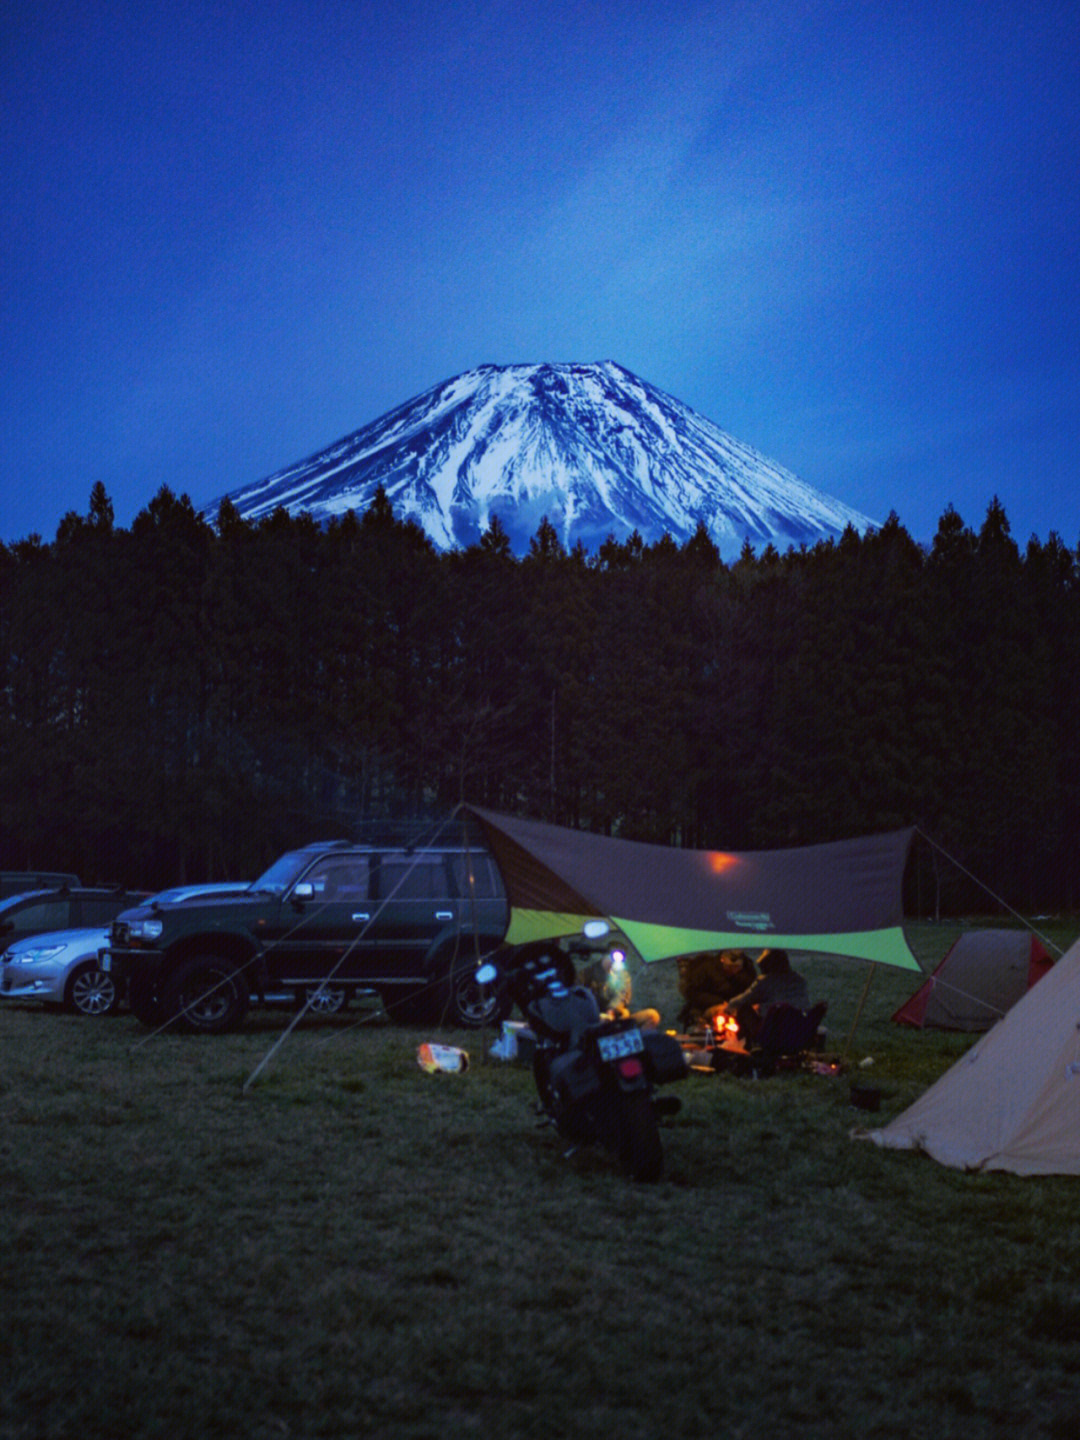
(843, 232)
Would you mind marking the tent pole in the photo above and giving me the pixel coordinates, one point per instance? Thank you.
(858, 1010)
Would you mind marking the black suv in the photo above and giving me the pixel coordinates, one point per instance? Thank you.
(322, 923)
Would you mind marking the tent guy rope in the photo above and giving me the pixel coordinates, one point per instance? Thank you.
(997, 898)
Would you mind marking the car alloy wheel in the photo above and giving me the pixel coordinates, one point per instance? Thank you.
(206, 995)
(325, 999)
(91, 991)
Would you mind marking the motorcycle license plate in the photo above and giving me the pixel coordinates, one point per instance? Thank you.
(623, 1042)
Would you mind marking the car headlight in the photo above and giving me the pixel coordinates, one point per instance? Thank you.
(29, 957)
(145, 929)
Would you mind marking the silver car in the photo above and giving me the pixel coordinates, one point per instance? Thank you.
(61, 968)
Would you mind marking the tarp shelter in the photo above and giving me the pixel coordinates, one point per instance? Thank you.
(1013, 1101)
(841, 898)
(981, 977)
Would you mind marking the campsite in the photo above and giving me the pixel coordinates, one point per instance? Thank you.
(351, 1246)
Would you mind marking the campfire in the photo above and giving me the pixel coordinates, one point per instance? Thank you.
(725, 1028)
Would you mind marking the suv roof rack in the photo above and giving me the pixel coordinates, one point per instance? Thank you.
(420, 833)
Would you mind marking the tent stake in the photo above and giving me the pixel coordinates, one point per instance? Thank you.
(858, 1011)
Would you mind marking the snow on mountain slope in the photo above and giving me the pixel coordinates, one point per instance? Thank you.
(592, 447)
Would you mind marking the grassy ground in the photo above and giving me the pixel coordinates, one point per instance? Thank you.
(352, 1247)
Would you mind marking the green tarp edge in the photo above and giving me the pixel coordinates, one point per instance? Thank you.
(662, 942)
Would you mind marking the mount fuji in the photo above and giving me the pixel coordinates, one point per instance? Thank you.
(593, 448)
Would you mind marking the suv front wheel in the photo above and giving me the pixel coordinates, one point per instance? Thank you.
(207, 995)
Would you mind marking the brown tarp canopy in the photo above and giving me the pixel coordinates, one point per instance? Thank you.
(841, 898)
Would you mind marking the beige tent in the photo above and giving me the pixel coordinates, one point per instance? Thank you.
(1013, 1101)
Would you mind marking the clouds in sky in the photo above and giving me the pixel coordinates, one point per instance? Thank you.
(843, 232)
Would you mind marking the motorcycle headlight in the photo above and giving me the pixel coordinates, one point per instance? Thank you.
(145, 929)
(30, 957)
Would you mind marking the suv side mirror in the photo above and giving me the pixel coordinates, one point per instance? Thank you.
(304, 891)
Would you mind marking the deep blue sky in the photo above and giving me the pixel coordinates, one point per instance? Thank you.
(846, 232)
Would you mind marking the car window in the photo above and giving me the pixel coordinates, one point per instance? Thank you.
(41, 915)
(99, 910)
(416, 877)
(476, 876)
(342, 877)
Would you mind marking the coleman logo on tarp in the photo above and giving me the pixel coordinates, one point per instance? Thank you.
(754, 920)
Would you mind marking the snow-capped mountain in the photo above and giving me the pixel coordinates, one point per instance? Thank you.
(592, 447)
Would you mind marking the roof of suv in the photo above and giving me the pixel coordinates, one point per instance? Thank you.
(21, 882)
(405, 846)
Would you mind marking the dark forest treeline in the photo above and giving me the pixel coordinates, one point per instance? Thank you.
(179, 702)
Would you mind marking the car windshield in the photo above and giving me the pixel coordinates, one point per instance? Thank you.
(283, 872)
(13, 900)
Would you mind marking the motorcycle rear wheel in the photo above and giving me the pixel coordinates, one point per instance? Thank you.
(640, 1150)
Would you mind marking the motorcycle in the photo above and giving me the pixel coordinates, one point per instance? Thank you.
(595, 1077)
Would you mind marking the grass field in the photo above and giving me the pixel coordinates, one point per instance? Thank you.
(350, 1247)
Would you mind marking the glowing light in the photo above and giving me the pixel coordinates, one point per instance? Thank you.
(726, 1027)
(719, 862)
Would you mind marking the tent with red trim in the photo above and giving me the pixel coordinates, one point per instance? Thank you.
(983, 974)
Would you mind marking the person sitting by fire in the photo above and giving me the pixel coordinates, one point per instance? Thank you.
(609, 980)
(707, 979)
(778, 984)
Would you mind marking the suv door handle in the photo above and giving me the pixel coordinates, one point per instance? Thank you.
(444, 914)
(361, 915)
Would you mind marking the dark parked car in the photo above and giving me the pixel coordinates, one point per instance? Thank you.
(61, 967)
(18, 882)
(65, 907)
(323, 922)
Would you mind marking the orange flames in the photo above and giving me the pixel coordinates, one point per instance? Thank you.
(725, 1027)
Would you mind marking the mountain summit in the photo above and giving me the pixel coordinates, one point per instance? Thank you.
(592, 447)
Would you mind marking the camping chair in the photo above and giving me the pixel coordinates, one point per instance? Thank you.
(785, 1034)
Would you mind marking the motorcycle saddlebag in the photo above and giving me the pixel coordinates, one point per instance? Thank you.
(664, 1058)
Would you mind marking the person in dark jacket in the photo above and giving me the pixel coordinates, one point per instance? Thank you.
(777, 984)
(708, 979)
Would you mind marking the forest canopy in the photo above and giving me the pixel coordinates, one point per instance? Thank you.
(182, 701)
